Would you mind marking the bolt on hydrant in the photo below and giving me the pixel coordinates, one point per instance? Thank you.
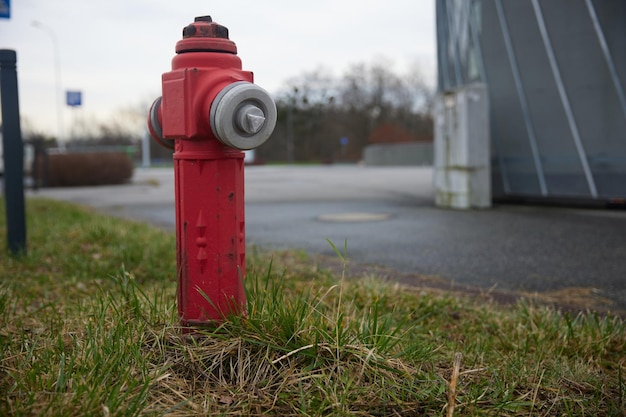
(209, 112)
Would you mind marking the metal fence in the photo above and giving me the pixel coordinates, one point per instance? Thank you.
(555, 71)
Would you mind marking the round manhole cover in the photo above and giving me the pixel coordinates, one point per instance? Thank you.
(354, 217)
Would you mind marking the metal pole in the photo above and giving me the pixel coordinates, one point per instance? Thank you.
(517, 78)
(565, 100)
(607, 55)
(58, 86)
(453, 31)
(473, 23)
(13, 154)
(443, 37)
(145, 150)
(290, 150)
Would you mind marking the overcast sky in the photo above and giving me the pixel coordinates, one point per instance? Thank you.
(115, 51)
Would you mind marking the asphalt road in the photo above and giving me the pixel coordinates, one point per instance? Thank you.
(387, 217)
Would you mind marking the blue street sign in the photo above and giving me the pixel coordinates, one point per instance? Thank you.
(5, 9)
(73, 98)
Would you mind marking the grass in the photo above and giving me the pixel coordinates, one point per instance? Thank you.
(88, 326)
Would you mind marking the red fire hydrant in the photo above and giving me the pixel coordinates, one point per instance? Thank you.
(209, 111)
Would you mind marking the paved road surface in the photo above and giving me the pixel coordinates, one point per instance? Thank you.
(388, 218)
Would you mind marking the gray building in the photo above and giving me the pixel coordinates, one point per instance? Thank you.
(555, 72)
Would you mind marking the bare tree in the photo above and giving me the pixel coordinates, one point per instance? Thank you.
(317, 110)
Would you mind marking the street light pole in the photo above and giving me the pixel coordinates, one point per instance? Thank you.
(57, 74)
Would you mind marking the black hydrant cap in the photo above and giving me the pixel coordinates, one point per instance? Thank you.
(204, 35)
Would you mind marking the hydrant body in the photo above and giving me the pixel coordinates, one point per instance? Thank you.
(210, 111)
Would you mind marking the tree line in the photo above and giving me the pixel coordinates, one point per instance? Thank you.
(324, 118)
(321, 117)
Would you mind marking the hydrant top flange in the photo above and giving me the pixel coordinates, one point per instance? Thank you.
(204, 35)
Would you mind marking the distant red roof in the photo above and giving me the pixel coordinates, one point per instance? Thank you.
(393, 133)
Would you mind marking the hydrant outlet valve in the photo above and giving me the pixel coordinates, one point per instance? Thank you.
(209, 111)
(243, 115)
(208, 96)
